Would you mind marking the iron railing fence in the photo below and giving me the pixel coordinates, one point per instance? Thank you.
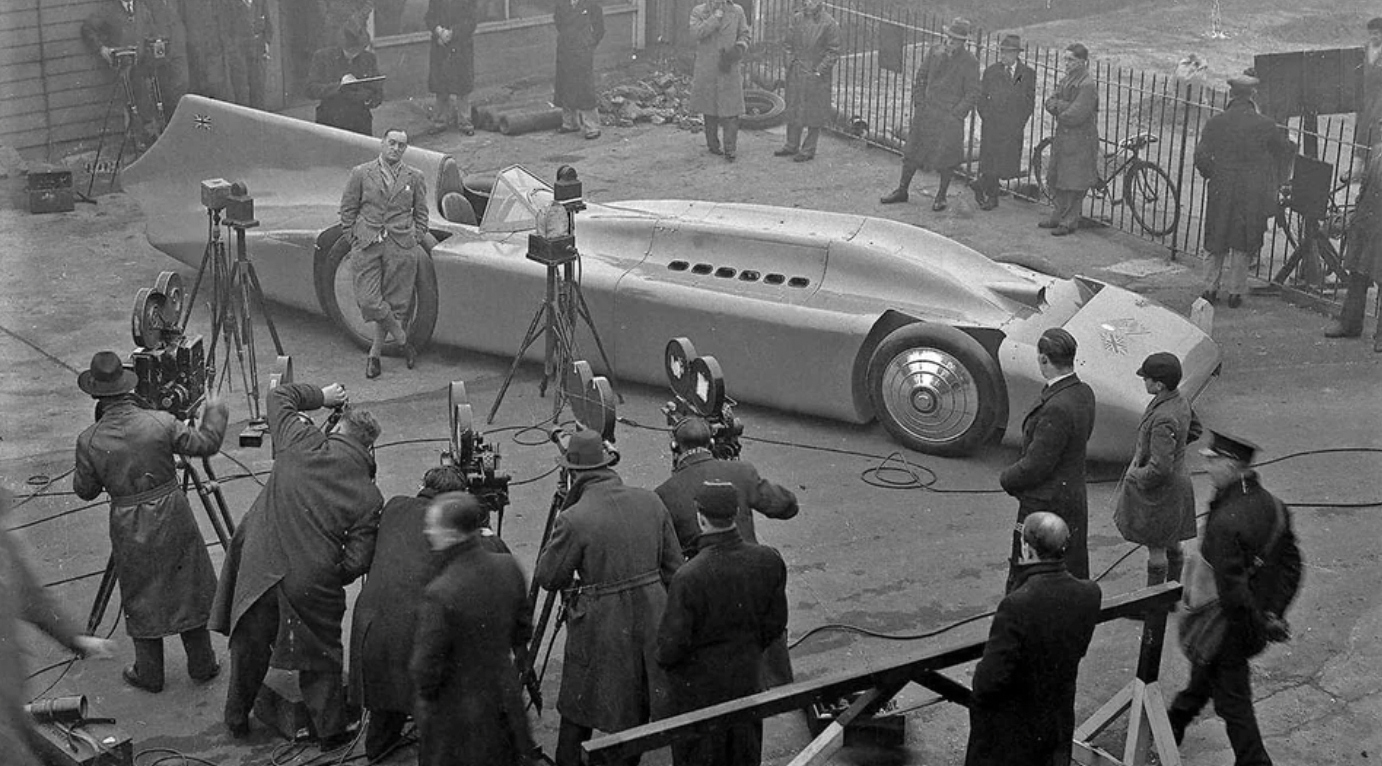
(872, 102)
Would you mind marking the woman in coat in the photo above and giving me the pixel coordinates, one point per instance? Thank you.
(580, 26)
(946, 90)
(1155, 505)
(451, 67)
(717, 88)
(1075, 147)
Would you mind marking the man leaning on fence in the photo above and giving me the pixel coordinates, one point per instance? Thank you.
(1075, 146)
(813, 47)
(945, 91)
(1240, 153)
(1023, 708)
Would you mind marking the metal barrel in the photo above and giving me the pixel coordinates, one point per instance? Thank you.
(530, 120)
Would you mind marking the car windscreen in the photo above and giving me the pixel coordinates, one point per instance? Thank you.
(515, 201)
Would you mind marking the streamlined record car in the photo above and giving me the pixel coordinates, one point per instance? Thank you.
(835, 315)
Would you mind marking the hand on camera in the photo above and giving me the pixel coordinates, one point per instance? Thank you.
(347, 78)
(334, 395)
(108, 54)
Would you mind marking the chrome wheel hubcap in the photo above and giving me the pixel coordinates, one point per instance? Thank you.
(930, 394)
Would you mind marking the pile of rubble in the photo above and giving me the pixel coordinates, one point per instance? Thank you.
(659, 98)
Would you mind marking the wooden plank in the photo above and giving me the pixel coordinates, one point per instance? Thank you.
(16, 54)
(59, 103)
(51, 34)
(1087, 755)
(950, 689)
(1167, 751)
(1135, 746)
(1105, 715)
(832, 739)
(54, 15)
(67, 81)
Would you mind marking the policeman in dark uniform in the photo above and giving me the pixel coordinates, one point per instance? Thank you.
(329, 79)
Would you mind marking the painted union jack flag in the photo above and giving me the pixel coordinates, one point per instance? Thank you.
(203, 121)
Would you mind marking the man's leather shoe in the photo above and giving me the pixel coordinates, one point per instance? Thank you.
(1340, 330)
(939, 205)
(215, 671)
(897, 195)
(1212, 296)
(729, 156)
(786, 151)
(132, 678)
(1234, 301)
(989, 203)
(1061, 231)
(238, 730)
(715, 150)
(564, 129)
(1377, 343)
(799, 157)
(409, 355)
(1047, 223)
(979, 198)
(372, 369)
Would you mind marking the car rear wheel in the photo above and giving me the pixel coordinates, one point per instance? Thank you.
(334, 276)
(935, 389)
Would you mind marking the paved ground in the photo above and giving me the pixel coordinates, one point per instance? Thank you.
(891, 561)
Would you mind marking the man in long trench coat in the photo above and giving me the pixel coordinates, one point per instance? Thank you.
(310, 533)
(612, 553)
(1241, 153)
(165, 575)
(580, 27)
(813, 48)
(945, 91)
(717, 87)
(1075, 146)
(1006, 101)
(451, 67)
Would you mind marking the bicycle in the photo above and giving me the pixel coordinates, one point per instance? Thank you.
(1148, 191)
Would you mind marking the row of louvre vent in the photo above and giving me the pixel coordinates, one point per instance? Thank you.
(729, 272)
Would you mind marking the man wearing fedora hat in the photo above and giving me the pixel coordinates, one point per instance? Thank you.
(813, 48)
(1155, 502)
(1241, 154)
(1256, 567)
(161, 563)
(724, 609)
(612, 552)
(1007, 99)
(333, 69)
(945, 91)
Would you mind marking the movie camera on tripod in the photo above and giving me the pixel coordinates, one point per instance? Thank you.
(593, 405)
(124, 57)
(699, 387)
(477, 460)
(171, 365)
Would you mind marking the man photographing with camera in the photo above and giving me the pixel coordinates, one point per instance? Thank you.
(310, 533)
(165, 575)
(148, 37)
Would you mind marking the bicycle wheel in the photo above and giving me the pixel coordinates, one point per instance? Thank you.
(1039, 164)
(1152, 197)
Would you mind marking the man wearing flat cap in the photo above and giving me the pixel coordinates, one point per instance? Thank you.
(1241, 154)
(1050, 473)
(1254, 564)
(612, 552)
(1006, 101)
(1023, 708)
(945, 91)
(165, 575)
(1155, 503)
(724, 608)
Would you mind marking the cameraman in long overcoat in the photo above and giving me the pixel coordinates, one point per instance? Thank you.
(945, 91)
(310, 533)
(717, 87)
(165, 575)
(1075, 147)
(612, 553)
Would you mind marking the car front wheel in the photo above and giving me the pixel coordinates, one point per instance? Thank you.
(334, 274)
(935, 389)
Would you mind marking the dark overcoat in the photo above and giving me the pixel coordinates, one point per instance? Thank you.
(165, 574)
(1075, 145)
(22, 599)
(620, 542)
(945, 91)
(385, 616)
(345, 108)
(1050, 474)
(311, 531)
(724, 608)
(775, 501)
(451, 67)
(813, 48)
(1006, 103)
(1023, 710)
(1363, 251)
(1155, 502)
(1370, 111)
(1241, 519)
(580, 27)
(716, 91)
(1240, 152)
(473, 621)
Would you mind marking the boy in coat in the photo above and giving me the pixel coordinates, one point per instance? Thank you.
(724, 608)
(1023, 709)
(1050, 474)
